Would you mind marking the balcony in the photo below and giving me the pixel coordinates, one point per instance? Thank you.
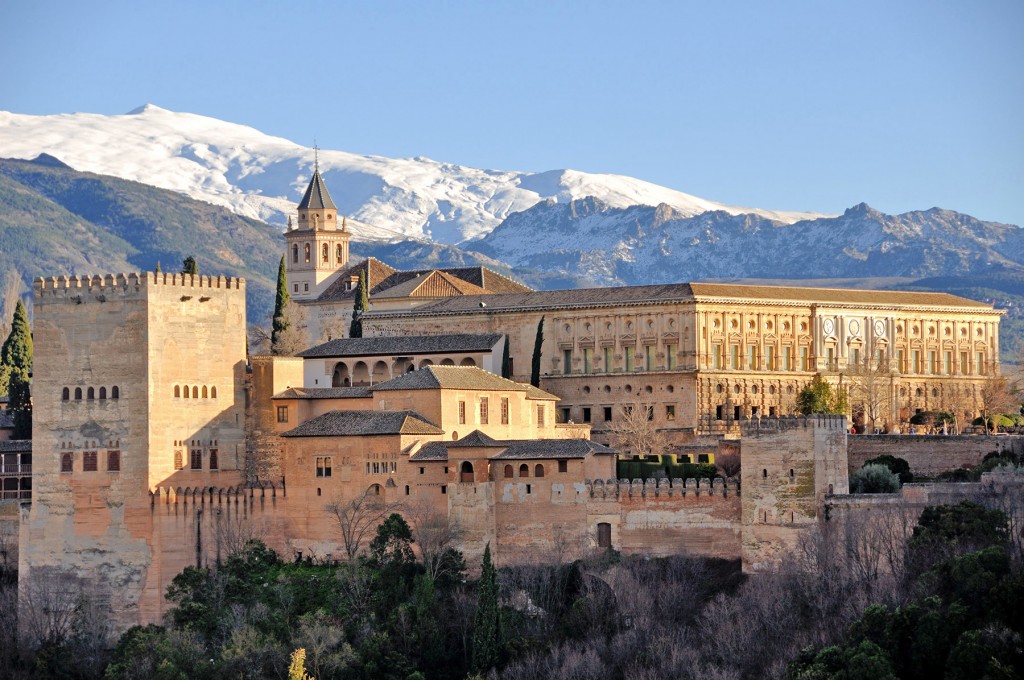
(17, 470)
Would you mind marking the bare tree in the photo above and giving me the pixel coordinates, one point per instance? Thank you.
(433, 534)
(232, 531)
(358, 517)
(292, 340)
(871, 390)
(728, 464)
(997, 395)
(634, 430)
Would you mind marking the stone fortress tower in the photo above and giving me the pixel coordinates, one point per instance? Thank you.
(317, 250)
(139, 383)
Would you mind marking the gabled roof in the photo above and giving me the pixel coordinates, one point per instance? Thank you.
(16, 446)
(403, 345)
(515, 449)
(384, 281)
(316, 197)
(435, 283)
(376, 273)
(324, 393)
(362, 423)
(450, 378)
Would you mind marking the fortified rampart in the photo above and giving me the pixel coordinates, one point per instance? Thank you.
(929, 455)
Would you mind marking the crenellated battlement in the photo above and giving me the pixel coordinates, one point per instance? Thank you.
(624, 489)
(129, 283)
(216, 494)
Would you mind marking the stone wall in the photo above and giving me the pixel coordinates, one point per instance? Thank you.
(929, 455)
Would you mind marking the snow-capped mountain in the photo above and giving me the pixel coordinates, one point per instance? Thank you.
(261, 176)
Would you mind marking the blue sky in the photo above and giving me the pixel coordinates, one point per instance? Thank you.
(784, 105)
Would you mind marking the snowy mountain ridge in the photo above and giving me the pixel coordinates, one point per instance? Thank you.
(262, 176)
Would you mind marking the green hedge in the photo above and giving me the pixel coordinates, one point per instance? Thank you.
(637, 469)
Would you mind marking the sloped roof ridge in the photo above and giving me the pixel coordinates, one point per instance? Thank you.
(317, 197)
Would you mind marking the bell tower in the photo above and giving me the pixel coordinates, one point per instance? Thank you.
(317, 249)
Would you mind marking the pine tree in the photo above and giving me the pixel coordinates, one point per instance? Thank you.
(190, 266)
(359, 306)
(280, 322)
(506, 362)
(535, 368)
(486, 621)
(17, 349)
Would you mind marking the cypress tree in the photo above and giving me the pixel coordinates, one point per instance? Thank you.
(486, 621)
(506, 362)
(360, 305)
(19, 402)
(190, 266)
(17, 349)
(16, 360)
(280, 323)
(535, 368)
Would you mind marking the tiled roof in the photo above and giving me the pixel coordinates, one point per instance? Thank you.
(362, 423)
(6, 419)
(432, 284)
(402, 345)
(681, 292)
(324, 393)
(452, 378)
(516, 449)
(316, 197)
(16, 446)
(376, 274)
(387, 282)
(537, 393)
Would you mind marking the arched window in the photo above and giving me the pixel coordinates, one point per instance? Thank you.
(78, 393)
(66, 462)
(295, 253)
(325, 253)
(195, 391)
(538, 470)
(177, 390)
(307, 253)
(115, 393)
(91, 393)
(206, 394)
(374, 490)
(65, 394)
(103, 393)
(187, 394)
(339, 254)
(213, 392)
(524, 470)
(508, 472)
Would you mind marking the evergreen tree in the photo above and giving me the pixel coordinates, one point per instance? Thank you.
(15, 367)
(820, 397)
(17, 349)
(506, 362)
(486, 621)
(535, 368)
(280, 323)
(20, 403)
(190, 266)
(360, 305)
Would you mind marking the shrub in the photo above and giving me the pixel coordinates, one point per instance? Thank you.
(935, 418)
(874, 479)
(896, 465)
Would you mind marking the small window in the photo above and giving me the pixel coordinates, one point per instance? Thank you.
(91, 393)
(444, 489)
(187, 392)
(318, 491)
(195, 391)
(538, 470)
(197, 459)
(764, 474)
(66, 462)
(307, 253)
(406, 489)
(524, 470)
(670, 412)
(504, 410)
(586, 414)
(177, 391)
(508, 472)
(113, 461)
(305, 287)
(563, 466)
(213, 392)
(462, 413)
(206, 394)
(178, 464)
(65, 394)
(421, 470)
(213, 460)
(282, 414)
(339, 253)
(607, 414)
(483, 410)
(324, 466)
(604, 535)
(529, 488)
(325, 253)
(540, 414)
(103, 393)
(115, 393)
(295, 256)
(89, 460)
(296, 287)
(78, 394)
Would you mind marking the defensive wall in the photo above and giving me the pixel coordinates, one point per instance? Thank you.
(929, 455)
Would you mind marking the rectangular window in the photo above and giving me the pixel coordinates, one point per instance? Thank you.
(648, 358)
(89, 461)
(540, 414)
(444, 488)
(305, 287)
(734, 357)
(882, 364)
(607, 414)
(854, 357)
(787, 358)
(979, 363)
(947, 363)
(830, 358)
(933, 363)
(214, 465)
(805, 359)
(752, 358)
(965, 367)
(586, 414)
(769, 358)
(670, 357)
(113, 461)
(608, 359)
(462, 413)
(567, 361)
(282, 414)
(296, 288)
(422, 470)
(197, 459)
(564, 413)
(483, 410)
(901, 361)
(670, 412)
(66, 463)
(563, 466)
(650, 413)
(716, 357)
(915, 358)
(323, 466)
(629, 351)
(504, 410)
(376, 468)
(588, 360)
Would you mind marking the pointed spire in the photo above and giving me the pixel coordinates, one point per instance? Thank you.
(289, 223)
(344, 224)
(316, 196)
(316, 156)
